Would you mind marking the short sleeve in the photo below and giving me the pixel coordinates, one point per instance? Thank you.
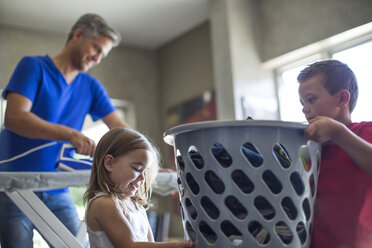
(101, 105)
(25, 79)
(366, 131)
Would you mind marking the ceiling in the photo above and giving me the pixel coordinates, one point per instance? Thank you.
(144, 23)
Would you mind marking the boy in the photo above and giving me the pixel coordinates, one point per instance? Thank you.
(343, 211)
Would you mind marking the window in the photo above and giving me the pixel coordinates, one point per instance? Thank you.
(290, 108)
(357, 57)
(95, 130)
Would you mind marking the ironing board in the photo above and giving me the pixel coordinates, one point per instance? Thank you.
(20, 187)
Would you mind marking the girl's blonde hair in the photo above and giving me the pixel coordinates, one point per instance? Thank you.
(118, 142)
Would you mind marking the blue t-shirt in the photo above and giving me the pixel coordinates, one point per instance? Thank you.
(38, 79)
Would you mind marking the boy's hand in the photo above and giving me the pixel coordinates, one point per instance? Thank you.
(322, 129)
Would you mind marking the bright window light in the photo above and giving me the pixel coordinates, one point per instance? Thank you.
(289, 103)
(359, 59)
(95, 130)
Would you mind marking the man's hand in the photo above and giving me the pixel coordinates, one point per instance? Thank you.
(83, 144)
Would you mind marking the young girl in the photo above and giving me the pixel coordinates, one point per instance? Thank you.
(124, 167)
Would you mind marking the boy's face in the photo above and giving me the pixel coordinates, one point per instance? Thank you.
(316, 100)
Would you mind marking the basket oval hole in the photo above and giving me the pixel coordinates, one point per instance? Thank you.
(272, 182)
(179, 159)
(221, 154)
(232, 233)
(264, 207)
(282, 155)
(307, 209)
(242, 181)
(284, 233)
(210, 208)
(259, 233)
(190, 209)
(301, 232)
(190, 231)
(318, 160)
(207, 232)
(305, 157)
(182, 213)
(214, 182)
(312, 185)
(193, 185)
(252, 154)
(234, 205)
(195, 157)
(289, 208)
(297, 183)
(180, 187)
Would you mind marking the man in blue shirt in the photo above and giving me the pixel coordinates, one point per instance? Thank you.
(47, 100)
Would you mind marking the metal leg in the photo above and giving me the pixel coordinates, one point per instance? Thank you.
(82, 233)
(46, 222)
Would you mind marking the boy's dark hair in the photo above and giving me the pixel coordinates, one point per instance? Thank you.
(336, 76)
(94, 25)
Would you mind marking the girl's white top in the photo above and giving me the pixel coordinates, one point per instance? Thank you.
(133, 212)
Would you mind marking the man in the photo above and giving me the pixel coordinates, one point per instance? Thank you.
(47, 100)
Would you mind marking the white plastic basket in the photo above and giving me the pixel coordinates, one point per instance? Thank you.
(246, 183)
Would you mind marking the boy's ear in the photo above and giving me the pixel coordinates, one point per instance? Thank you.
(108, 162)
(343, 98)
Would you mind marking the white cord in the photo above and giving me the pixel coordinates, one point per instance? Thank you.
(28, 152)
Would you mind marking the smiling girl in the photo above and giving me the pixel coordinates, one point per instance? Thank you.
(124, 166)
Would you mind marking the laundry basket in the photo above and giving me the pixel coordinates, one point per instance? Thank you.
(246, 183)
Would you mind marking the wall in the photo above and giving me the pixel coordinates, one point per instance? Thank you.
(185, 67)
(289, 24)
(16, 43)
(240, 79)
(127, 73)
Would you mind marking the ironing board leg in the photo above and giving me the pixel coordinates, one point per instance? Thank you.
(45, 221)
(82, 233)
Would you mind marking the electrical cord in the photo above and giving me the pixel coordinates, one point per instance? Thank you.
(29, 151)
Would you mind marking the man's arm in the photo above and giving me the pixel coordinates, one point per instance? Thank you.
(322, 129)
(20, 120)
(113, 120)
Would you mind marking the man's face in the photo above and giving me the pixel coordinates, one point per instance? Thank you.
(89, 52)
(316, 100)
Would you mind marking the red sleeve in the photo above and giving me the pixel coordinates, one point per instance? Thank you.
(365, 131)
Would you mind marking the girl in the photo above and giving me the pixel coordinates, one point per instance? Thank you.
(124, 167)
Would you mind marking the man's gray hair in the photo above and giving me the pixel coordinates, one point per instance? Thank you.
(94, 25)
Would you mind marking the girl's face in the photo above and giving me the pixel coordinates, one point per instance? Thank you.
(128, 171)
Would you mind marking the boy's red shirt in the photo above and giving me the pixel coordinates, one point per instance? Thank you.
(343, 207)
